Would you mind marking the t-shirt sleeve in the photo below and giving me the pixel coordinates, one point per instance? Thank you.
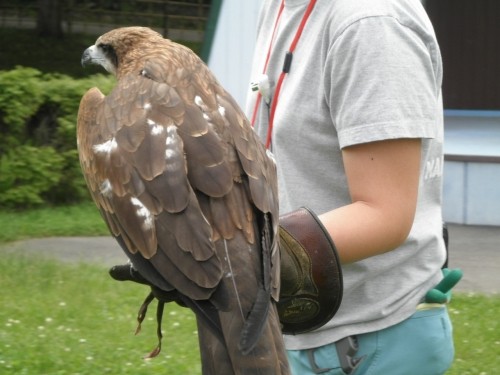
(382, 82)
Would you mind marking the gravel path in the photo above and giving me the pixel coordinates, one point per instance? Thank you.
(474, 249)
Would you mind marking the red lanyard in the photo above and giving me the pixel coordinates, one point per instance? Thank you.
(286, 66)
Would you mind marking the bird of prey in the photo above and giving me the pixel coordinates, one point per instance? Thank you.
(189, 192)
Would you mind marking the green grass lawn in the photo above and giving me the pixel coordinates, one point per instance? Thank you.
(77, 220)
(61, 319)
(73, 319)
(476, 333)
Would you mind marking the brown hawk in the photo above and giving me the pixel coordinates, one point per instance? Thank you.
(189, 192)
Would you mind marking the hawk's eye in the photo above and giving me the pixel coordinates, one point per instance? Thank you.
(109, 52)
(105, 47)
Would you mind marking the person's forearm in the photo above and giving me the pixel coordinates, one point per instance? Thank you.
(361, 230)
(383, 182)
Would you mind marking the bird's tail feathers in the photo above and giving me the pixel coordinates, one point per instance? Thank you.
(254, 323)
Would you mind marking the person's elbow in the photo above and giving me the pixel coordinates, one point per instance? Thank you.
(401, 221)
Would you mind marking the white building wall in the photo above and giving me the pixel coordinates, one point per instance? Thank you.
(471, 189)
(232, 49)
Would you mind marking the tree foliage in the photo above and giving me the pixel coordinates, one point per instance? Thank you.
(38, 156)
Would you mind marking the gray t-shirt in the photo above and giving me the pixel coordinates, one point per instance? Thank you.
(363, 71)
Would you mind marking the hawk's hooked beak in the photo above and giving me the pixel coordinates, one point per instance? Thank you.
(87, 57)
(95, 55)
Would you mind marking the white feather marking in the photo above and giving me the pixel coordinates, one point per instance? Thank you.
(106, 188)
(222, 111)
(171, 133)
(174, 162)
(106, 147)
(147, 106)
(155, 128)
(143, 213)
(169, 154)
(198, 101)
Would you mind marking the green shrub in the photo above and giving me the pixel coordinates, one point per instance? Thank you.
(21, 94)
(26, 173)
(38, 156)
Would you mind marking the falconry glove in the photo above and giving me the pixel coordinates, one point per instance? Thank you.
(311, 276)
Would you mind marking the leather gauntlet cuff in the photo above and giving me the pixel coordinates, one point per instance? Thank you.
(311, 275)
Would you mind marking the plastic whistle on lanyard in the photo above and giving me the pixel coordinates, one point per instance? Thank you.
(263, 86)
(272, 103)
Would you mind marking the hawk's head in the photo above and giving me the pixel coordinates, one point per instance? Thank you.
(111, 49)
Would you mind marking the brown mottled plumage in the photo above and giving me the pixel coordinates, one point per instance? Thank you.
(189, 192)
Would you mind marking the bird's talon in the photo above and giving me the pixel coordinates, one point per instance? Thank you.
(154, 353)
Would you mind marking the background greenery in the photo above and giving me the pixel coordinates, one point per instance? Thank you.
(38, 156)
(40, 91)
(51, 55)
(57, 318)
(73, 319)
(72, 220)
(41, 84)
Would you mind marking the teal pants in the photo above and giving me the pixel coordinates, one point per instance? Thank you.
(420, 345)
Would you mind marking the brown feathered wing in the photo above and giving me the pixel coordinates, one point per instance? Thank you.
(190, 194)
